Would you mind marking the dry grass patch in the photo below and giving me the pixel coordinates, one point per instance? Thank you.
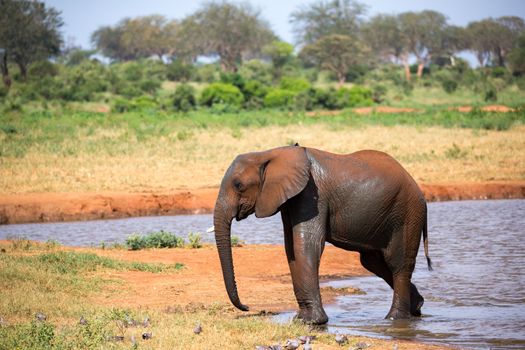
(110, 160)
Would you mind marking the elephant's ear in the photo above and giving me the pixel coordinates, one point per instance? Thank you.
(283, 175)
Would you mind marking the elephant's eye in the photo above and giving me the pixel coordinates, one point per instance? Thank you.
(238, 185)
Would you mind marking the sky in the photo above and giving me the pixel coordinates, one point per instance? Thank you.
(83, 17)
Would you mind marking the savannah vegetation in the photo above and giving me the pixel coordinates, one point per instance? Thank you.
(142, 109)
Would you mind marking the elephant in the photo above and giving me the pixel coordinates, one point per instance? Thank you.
(363, 201)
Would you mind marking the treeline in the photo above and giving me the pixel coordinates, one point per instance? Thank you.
(334, 42)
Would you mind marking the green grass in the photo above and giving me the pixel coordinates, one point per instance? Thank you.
(50, 279)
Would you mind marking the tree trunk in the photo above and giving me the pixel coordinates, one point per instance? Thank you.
(407, 71)
(222, 222)
(341, 77)
(23, 70)
(5, 72)
(420, 68)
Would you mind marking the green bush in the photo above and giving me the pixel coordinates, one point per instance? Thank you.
(42, 69)
(161, 239)
(149, 86)
(207, 73)
(184, 98)
(121, 105)
(294, 84)
(179, 71)
(221, 93)
(326, 98)
(234, 79)
(256, 70)
(379, 92)
(356, 96)
(449, 85)
(279, 98)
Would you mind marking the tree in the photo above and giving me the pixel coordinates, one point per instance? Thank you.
(516, 57)
(383, 34)
(29, 31)
(140, 37)
(280, 53)
(335, 53)
(232, 32)
(491, 40)
(424, 34)
(326, 17)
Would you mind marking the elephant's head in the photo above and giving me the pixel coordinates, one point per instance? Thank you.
(259, 183)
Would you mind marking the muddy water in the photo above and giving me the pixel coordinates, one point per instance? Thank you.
(475, 297)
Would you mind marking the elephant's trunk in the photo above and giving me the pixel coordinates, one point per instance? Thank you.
(222, 221)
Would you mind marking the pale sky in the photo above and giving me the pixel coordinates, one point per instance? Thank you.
(83, 17)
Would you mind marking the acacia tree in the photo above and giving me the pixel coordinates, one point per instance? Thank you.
(29, 31)
(326, 17)
(335, 53)
(139, 37)
(227, 30)
(280, 53)
(491, 40)
(424, 33)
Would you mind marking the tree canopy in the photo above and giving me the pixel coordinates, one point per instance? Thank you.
(326, 17)
(29, 31)
(134, 38)
(232, 32)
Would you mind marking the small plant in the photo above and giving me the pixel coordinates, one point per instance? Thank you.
(194, 240)
(161, 239)
(236, 241)
(455, 152)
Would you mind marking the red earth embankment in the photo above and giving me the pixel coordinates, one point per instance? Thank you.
(48, 207)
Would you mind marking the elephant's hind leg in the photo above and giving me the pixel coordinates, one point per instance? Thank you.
(374, 262)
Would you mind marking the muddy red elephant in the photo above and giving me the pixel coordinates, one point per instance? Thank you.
(364, 201)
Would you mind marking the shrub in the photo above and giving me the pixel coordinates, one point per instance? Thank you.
(256, 70)
(149, 86)
(490, 93)
(42, 69)
(449, 85)
(378, 93)
(254, 88)
(279, 98)
(179, 71)
(121, 105)
(234, 79)
(161, 239)
(207, 73)
(294, 84)
(184, 98)
(326, 98)
(194, 240)
(221, 93)
(354, 97)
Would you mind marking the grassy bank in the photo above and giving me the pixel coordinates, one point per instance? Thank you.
(53, 297)
(63, 150)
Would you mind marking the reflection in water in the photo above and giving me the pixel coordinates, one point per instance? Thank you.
(475, 297)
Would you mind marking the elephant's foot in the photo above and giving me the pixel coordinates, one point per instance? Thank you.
(416, 302)
(397, 314)
(312, 316)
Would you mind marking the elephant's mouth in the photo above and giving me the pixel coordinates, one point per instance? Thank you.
(244, 212)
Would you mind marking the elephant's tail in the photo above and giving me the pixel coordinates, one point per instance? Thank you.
(425, 241)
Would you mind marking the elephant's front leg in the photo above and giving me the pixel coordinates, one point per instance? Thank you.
(304, 247)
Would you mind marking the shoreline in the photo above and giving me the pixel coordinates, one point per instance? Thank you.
(266, 291)
(57, 207)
